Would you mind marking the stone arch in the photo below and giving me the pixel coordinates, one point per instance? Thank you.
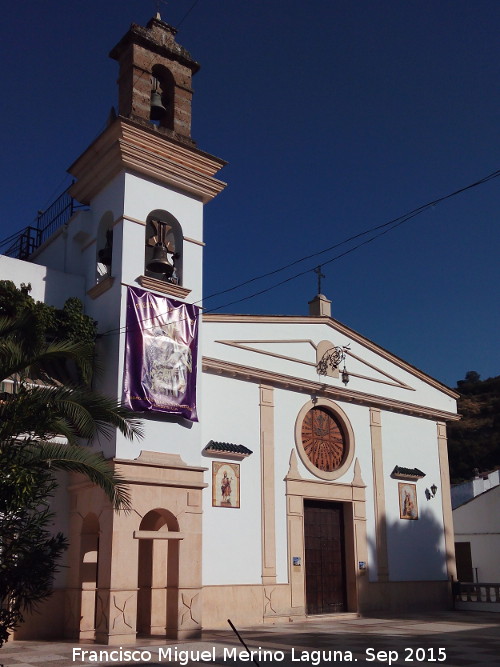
(158, 574)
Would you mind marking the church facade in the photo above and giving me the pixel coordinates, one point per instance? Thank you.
(289, 467)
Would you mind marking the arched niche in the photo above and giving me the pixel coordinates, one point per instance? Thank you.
(104, 247)
(173, 241)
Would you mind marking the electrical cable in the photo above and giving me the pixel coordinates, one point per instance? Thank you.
(352, 238)
(385, 227)
(187, 13)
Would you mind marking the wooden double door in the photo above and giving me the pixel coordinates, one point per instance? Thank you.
(325, 557)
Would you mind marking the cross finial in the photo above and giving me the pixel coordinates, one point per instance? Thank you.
(320, 275)
(158, 3)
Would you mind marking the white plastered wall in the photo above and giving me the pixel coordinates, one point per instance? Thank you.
(416, 548)
(141, 198)
(48, 285)
(232, 551)
(478, 522)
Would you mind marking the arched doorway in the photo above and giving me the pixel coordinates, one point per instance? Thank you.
(158, 574)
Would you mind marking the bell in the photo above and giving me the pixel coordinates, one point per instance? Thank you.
(157, 109)
(105, 256)
(159, 263)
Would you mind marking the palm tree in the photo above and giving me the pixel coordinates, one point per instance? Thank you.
(33, 417)
(41, 407)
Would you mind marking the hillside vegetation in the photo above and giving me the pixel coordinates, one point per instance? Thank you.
(474, 442)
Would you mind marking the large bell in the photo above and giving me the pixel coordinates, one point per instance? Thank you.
(159, 262)
(157, 109)
(105, 256)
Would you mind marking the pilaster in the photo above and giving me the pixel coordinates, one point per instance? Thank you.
(379, 495)
(266, 404)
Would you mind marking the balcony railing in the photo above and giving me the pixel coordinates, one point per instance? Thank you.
(22, 244)
(477, 595)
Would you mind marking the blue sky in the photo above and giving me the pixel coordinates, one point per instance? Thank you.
(334, 117)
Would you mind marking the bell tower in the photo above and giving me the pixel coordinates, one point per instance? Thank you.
(155, 78)
(145, 176)
(145, 183)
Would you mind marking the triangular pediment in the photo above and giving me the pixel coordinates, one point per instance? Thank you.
(308, 353)
(366, 360)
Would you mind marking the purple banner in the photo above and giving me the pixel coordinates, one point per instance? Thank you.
(160, 355)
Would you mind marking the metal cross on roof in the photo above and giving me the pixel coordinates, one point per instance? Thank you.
(320, 275)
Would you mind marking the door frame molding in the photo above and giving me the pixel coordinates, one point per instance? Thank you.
(353, 497)
(337, 509)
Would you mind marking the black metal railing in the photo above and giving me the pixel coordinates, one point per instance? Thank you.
(22, 244)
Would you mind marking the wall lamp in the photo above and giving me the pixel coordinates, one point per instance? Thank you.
(431, 493)
(332, 358)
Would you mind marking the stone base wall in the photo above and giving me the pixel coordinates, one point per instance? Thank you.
(405, 596)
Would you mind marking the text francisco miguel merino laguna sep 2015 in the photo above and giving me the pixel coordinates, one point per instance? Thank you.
(230, 654)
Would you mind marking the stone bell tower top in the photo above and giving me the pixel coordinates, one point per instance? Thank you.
(155, 78)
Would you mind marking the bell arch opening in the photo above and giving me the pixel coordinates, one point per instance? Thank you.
(162, 97)
(104, 247)
(164, 244)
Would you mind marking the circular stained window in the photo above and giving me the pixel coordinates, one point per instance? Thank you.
(324, 439)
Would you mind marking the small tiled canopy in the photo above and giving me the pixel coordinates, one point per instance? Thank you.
(407, 473)
(227, 449)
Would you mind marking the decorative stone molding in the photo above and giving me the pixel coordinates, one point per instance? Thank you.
(162, 286)
(339, 328)
(101, 287)
(348, 433)
(131, 146)
(247, 373)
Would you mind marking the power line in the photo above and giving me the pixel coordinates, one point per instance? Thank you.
(402, 218)
(384, 228)
(187, 13)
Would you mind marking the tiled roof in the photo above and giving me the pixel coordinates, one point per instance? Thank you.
(228, 448)
(401, 472)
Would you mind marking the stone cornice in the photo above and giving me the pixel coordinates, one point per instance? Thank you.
(340, 328)
(162, 286)
(126, 145)
(100, 288)
(249, 374)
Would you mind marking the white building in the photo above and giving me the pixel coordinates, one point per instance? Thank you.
(295, 493)
(476, 519)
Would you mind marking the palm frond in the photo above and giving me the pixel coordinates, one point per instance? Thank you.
(75, 412)
(13, 358)
(74, 458)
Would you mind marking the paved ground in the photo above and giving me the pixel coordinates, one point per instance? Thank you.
(453, 639)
